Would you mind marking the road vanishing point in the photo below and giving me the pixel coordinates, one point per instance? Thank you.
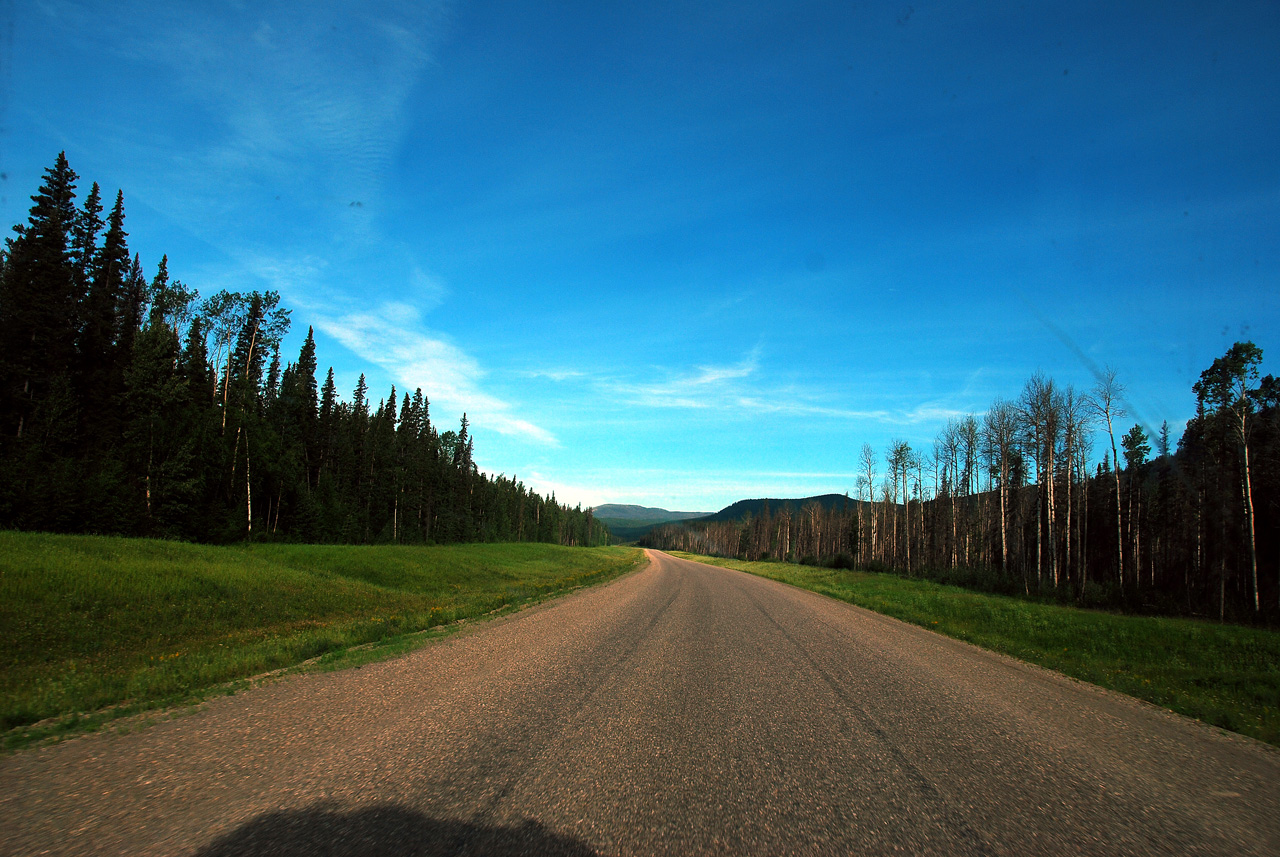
(681, 709)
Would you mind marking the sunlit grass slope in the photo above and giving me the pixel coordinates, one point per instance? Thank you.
(1225, 675)
(88, 623)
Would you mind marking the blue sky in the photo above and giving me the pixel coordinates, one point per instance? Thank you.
(680, 257)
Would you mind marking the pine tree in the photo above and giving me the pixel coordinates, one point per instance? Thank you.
(37, 301)
(1136, 448)
(130, 312)
(101, 373)
(326, 430)
(84, 243)
(170, 302)
(305, 412)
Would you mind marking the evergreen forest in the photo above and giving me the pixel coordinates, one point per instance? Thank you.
(1009, 502)
(131, 405)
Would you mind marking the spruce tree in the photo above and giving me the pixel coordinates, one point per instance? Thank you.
(305, 408)
(272, 391)
(159, 438)
(37, 301)
(325, 423)
(170, 302)
(129, 313)
(84, 242)
(101, 373)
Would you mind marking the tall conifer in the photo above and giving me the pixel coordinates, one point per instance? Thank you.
(84, 241)
(37, 300)
(101, 374)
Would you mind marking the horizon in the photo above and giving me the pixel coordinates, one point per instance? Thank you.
(679, 258)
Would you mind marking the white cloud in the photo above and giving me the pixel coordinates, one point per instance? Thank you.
(734, 388)
(429, 290)
(704, 387)
(390, 335)
(554, 374)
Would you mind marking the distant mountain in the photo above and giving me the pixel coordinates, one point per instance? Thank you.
(742, 508)
(621, 512)
(628, 523)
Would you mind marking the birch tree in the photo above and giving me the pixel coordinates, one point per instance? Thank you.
(868, 459)
(1000, 435)
(1106, 404)
(1226, 385)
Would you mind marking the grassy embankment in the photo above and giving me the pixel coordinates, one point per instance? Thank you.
(1225, 675)
(92, 628)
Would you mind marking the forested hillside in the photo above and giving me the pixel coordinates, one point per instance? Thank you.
(131, 405)
(742, 508)
(1009, 500)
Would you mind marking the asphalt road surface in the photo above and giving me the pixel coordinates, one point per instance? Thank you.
(682, 709)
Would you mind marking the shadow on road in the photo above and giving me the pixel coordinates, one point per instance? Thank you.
(386, 830)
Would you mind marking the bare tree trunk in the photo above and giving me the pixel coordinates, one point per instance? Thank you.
(235, 454)
(906, 513)
(1133, 540)
(1051, 500)
(1004, 517)
(1039, 509)
(1070, 468)
(858, 546)
(874, 530)
(1115, 470)
(248, 487)
(895, 527)
(1084, 532)
(955, 536)
(226, 388)
(1248, 510)
(1107, 395)
(151, 436)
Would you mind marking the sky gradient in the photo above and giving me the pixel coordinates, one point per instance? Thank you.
(678, 258)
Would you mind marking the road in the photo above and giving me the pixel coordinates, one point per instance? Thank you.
(681, 709)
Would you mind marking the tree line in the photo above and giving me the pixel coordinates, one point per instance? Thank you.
(133, 406)
(1012, 500)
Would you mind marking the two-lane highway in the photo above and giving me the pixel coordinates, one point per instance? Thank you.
(681, 709)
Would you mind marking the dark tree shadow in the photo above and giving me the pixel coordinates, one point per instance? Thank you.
(386, 831)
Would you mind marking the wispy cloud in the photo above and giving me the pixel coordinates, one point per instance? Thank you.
(429, 290)
(554, 374)
(391, 336)
(704, 387)
(737, 388)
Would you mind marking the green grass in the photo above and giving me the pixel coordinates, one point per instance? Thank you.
(92, 628)
(1224, 675)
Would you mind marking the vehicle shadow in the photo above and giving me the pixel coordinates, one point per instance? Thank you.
(386, 831)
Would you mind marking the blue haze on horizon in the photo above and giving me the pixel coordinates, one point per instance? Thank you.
(679, 257)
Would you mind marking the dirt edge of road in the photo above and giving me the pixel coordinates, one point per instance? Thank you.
(124, 719)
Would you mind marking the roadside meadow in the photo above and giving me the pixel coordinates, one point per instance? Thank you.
(96, 628)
